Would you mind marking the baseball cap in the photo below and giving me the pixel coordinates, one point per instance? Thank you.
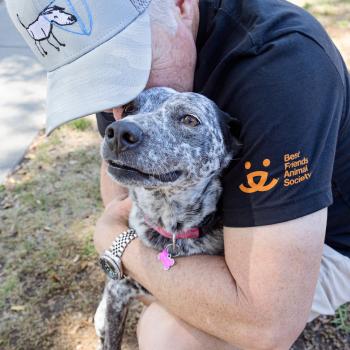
(97, 54)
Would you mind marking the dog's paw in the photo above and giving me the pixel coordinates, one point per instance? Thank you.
(100, 345)
(99, 318)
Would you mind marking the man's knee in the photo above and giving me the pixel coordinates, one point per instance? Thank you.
(157, 329)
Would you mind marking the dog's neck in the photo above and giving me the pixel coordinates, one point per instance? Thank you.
(177, 208)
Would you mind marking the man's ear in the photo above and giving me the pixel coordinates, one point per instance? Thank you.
(230, 128)
(188, 12)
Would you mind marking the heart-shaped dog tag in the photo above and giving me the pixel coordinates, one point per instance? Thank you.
(166, 259)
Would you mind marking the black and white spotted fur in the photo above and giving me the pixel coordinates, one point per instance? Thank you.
(175, 185)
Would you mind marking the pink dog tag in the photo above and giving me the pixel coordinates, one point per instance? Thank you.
(166, 259)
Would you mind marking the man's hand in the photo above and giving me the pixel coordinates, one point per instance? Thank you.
(113, 222)
(110, 190)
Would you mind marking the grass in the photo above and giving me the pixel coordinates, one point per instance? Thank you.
(88, 248)
(50, 281)
(48, 210)
(7, 287)
(307, 6)
(80, 124)
(334, 14)
(342, 319)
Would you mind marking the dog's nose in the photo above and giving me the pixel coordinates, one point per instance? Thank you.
(123, 135)
(72, 18)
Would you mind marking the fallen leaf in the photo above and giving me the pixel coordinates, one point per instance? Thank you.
(75, 329)
(83, 266)
(7, 205)
(55, 278)
(18, 308)
(30, 156)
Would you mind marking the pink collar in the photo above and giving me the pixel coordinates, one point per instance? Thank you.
(192, 233)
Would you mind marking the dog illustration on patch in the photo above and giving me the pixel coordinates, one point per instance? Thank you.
(42, 28)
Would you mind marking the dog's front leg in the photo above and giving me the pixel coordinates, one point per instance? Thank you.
(59, 43)
(39, 47)
(56, 47)
(111, 314)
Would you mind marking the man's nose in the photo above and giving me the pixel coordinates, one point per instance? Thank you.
(123, 135)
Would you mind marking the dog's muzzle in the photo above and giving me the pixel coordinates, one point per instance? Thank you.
(122, 136)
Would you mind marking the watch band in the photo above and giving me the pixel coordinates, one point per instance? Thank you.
(111, 259)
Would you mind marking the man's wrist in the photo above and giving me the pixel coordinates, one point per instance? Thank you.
(131, 256)
(104, 238)
(110, 260)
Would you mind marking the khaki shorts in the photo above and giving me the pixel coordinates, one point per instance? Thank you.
(333, 285)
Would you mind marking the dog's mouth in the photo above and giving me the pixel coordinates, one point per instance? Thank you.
(120, 170)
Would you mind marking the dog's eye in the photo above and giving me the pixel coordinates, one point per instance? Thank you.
(128, 109)
(190, 120)
(55, 16)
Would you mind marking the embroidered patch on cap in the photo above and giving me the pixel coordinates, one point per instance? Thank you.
(42, 29)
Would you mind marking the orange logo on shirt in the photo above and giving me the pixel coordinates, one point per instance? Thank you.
(260, 186)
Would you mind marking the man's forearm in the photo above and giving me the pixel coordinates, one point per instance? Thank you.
(198, 289)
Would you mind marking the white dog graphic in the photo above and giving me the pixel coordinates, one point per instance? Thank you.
(41, 28)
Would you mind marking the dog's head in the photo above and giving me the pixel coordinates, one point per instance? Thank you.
(57, 14)
(166, 138)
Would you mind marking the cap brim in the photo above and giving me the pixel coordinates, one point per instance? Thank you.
(110, 75)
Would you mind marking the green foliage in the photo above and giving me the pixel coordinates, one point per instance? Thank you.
(9, 285)
(89, 248)
(81, 124)
(47, 215)
(307, 6)
(342, 318)
(343, 24)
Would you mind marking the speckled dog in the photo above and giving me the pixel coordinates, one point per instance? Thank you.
(169, 150)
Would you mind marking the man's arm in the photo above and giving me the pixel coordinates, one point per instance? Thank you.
(256, 297)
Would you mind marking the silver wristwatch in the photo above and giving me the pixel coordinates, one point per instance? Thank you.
(110, 260)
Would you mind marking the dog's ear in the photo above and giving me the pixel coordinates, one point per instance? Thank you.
(47, 11)
(230, 128)
(59, 8)
(50, 10)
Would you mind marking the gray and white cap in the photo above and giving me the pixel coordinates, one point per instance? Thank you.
(97, 52)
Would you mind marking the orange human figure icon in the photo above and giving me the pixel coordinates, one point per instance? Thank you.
(261, 185)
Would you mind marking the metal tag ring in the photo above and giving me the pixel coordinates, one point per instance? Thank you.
(169, 248)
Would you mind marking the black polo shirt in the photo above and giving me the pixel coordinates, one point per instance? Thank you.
(271, 65)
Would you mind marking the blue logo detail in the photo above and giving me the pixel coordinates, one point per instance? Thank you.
(85, 29)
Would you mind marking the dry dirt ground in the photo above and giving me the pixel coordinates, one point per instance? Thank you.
(50, 282)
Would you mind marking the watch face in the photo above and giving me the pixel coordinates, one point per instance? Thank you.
(110, 267)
